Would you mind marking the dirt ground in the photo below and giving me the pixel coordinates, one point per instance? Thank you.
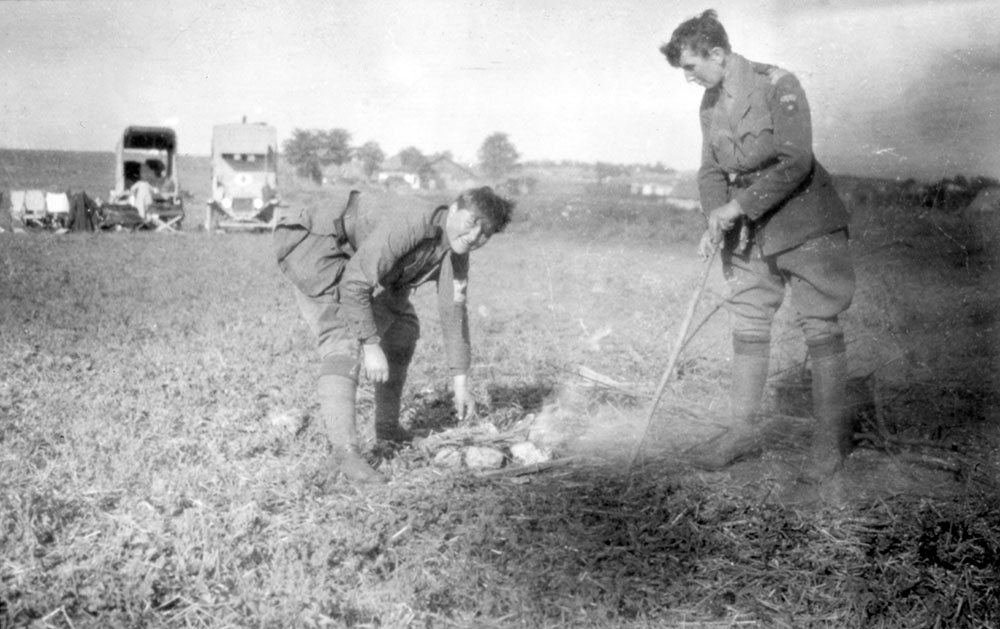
(873, 470)
(920, 392)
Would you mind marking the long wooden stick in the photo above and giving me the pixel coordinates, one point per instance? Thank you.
(675, 353)
(534, 468)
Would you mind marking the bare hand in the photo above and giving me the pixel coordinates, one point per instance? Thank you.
(723, 218)
(707, 245)
(376, 365)
(465, 406)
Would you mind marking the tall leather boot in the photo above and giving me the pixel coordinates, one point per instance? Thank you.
(743, 439)
(336, 403)
(387, 405)
(833, 436)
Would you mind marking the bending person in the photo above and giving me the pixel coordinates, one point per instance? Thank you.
(353, 278)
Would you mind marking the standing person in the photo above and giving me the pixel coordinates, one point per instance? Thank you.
(142, 191)
(163, 185)
(781, 226)
(353, 271)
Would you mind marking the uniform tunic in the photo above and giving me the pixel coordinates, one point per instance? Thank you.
(757, 149)
(349, 296)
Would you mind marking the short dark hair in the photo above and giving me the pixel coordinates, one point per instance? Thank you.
(699, 35)
(494, 208)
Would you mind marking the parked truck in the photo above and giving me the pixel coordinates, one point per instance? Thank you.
(244, 177)
(148, 155)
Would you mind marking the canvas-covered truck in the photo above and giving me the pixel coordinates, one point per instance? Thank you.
(244, 177)
(146, 179)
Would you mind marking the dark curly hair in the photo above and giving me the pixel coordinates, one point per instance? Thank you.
(495, 209)
(699, 35)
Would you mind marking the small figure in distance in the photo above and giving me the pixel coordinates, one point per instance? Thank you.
(142, 192)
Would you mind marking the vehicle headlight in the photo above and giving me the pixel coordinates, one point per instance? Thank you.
(258, 204)
(227, 203)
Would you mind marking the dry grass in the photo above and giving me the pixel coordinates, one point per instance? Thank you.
(142, 483)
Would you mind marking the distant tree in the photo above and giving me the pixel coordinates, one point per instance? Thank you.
(605, 171)
(337, 146)
(412, 158)
(302, 150)
(309, 150)
(497, 156)
(415, 161)
(371, 156)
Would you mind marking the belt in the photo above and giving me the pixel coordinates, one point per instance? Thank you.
(744, 180)
(747, 179)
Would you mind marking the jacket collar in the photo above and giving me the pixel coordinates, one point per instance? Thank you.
(437, 230)
(738, 83)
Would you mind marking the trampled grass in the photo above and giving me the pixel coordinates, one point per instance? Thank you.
(142, 483)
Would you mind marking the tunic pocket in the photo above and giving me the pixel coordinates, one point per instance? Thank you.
(756, 140)
(756, 126)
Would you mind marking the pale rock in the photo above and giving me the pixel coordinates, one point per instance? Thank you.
(481, 458)
(527, 453)
(448, 457)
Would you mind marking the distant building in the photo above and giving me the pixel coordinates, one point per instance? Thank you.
(450, 175)
(651, 188)
(394, 172)
(441, 173)
(673, 188)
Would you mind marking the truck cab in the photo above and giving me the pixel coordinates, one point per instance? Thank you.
(244, 177)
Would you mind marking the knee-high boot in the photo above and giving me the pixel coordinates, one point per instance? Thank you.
(387, 405)
(833, 435)
(743, 439)
(336, 402)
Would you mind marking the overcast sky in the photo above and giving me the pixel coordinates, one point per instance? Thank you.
(903, 88)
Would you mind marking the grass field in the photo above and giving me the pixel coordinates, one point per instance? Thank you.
(147, 478)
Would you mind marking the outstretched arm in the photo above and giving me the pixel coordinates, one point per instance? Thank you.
(452, 285)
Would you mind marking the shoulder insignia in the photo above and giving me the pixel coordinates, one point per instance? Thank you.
(772, 72)
(775, 74)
